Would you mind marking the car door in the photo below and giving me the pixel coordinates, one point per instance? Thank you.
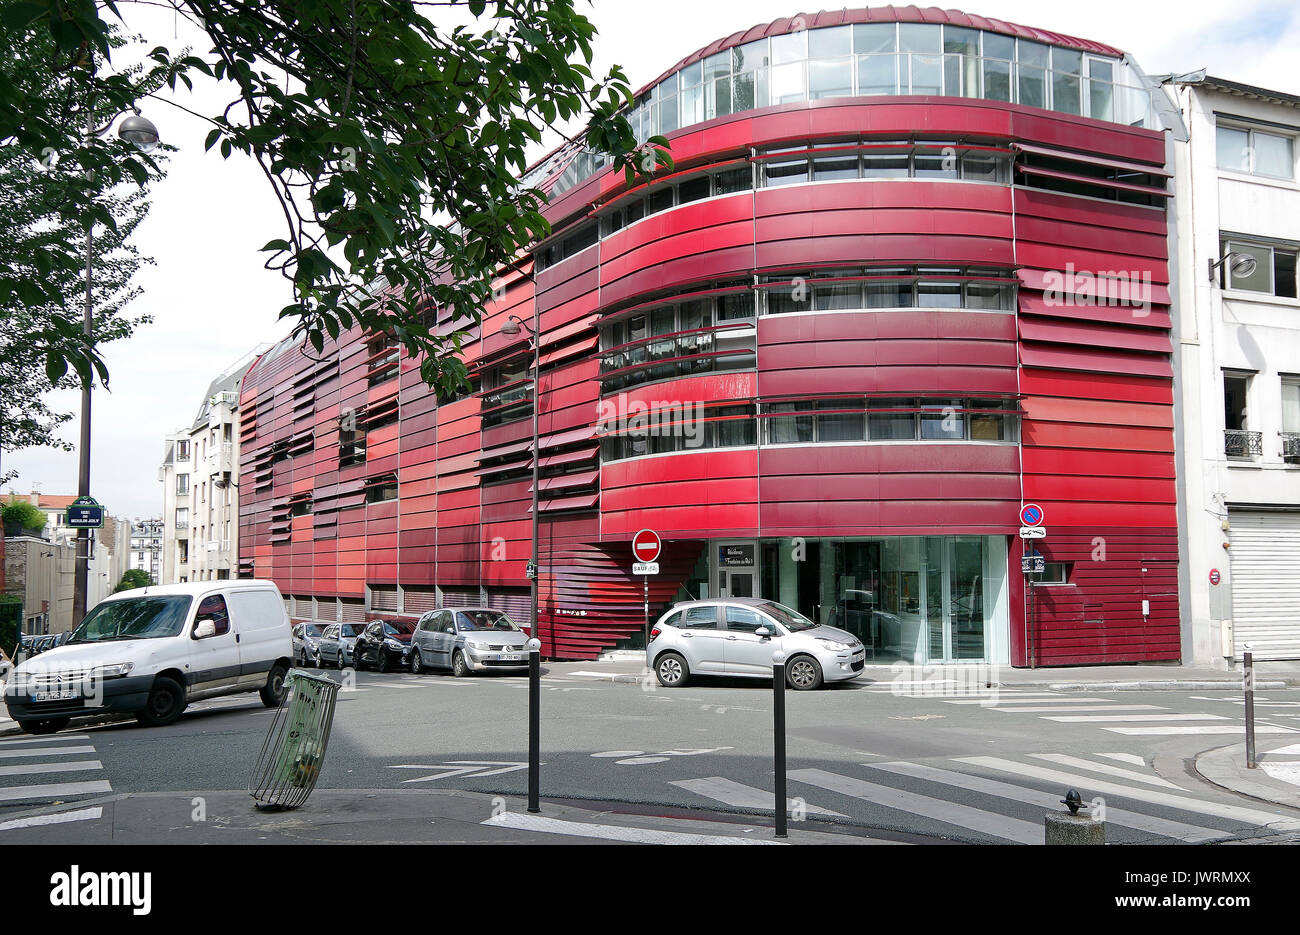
(329, 644)
(214, 660)
(441, 637)
(702, 639)
(746, 652)
(420, 638)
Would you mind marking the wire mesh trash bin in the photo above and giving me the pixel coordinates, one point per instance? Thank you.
(290, 762)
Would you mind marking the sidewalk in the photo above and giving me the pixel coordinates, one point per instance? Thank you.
(385, 816)
(630, 667)
(1276, 777)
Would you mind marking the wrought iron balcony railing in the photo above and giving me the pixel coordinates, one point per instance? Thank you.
(1241, 444)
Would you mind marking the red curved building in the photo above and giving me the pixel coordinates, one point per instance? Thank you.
(909, 274)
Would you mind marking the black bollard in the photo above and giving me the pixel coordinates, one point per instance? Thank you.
(534, 724)
(778, 738)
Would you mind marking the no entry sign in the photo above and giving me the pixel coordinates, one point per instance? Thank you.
(646, 545)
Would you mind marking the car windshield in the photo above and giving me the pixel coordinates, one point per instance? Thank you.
(400, 628)
(312, 630)
(792, 620)
(469, 621)
(134, 618)
(353, 629)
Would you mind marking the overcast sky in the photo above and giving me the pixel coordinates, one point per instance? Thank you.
(212, 302)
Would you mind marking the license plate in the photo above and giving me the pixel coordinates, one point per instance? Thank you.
(56, 696)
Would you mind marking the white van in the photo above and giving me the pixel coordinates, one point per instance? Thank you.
(151, 651)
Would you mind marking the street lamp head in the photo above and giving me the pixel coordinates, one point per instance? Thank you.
(139, 131)
(1243, 265)
(511, 327)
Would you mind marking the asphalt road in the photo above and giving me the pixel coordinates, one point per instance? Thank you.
(963, 767)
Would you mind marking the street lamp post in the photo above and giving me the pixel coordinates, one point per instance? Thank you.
(140, 132)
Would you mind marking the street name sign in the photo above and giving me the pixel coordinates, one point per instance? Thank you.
(85, 513)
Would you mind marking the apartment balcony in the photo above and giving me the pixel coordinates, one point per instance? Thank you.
(221, 459)
(1290, 447)
(1243, 445)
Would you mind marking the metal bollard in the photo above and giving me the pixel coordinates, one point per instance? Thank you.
(534, 724)
(1071, 827)
(778, 738)
(1248, 682)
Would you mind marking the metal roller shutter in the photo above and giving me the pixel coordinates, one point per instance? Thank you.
(420, 600)
(354, 611)
(461, 597)
(1265, 561)
(516, 602)
(384, 597)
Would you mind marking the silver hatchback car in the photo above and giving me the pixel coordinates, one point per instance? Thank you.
(468, 639)
(737, 636)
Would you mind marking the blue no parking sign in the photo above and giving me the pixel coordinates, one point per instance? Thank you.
(1031, 514)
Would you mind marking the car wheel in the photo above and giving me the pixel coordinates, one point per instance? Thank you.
(385, 663)
(671, 670)
(273, 691)
(165, 703)
(338, 661)
(802, 673)
(417, 661)
(459, 667)
(46, 726)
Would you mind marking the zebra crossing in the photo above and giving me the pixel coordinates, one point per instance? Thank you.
(1119, 717)
(43, 771)
(1002, 799)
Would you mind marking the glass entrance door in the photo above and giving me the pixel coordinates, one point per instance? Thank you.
(739, 583)
(954, 591)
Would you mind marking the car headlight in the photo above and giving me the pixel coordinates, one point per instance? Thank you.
(395, 644)
(113, 671)
(833, 644)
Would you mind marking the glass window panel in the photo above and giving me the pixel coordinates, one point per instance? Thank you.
(936, 165)
(749, 56)
(997, 80)
(841, 426)
(1066, 60)
(692, 75)
(832, 78)
(889, 294)
(1290, 406)
(1284, 270)
(717, 66)
(663, 320)
(698, 313)
(742, 93)
(717, 99)
(1258, 281)
(1032, 53)
(938, 295)
(635, 210)
(992, 425)
(733, 180)
(982, 167)
(961, 77)
(831, 42)
(668, 115)
(987, 295)
(788, 83)
(838, 166)
(791, 298)
(920, 37)
(732, 432)
(961, 40)
(927, 74)
(1233, 148)
(998, 46)
(1032, 86)
(885, 165)
(636, 328)
(943, 419)
(837, 296)
(1101, 70)
(737, 305)
(877, 74)
(1101, 100)
(892, 426)
(791, 429)
(785, 172)
(1273, 155)
(660, 200)
(1065, 93)
(690, 106)
(875, 37)
(792, 47)
(694, 189)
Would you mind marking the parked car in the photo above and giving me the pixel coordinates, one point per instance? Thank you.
(151, 651)
(306, 643)
(334, 648)
(383, 644)
(468, 639)
(737, 636)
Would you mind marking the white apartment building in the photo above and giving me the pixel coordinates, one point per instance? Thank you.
(1238, 377)
(200, 476)
(147, 547)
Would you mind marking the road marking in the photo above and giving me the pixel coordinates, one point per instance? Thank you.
(1087, 707)
(1022, 699)
(1080, 763)
(53, 790)
(1232, 812)
(581, 829)
(44, 751)
(1125, 758)
(53, 738)
(58, 818)
(1093, 718)
(28, 769)
(739, 795)
(1197, 729)
(989, 823)
(473, 769)
(1004, 790)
